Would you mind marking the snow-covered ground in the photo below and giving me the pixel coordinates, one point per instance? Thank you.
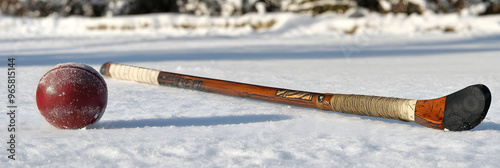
(155, 126)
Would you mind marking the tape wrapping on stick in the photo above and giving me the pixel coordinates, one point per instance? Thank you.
(385, 107)
(132, 73)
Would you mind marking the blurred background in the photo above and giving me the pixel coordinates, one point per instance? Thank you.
(98, 8)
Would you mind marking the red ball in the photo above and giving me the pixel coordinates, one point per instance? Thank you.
(72, 96)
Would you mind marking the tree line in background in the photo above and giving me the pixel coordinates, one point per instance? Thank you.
(96, 8)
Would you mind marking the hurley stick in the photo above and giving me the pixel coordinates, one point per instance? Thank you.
(462, 110)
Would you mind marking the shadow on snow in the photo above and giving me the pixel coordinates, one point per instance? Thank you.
(188, 121)
(252, 51)
(487, 126)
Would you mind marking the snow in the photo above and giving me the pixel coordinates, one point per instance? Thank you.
(283, 25)
(385, 5)
(155, 126)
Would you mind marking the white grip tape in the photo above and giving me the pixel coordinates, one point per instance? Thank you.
(133, 73)
(385, 107)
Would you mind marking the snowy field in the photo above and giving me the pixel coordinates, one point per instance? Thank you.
(417, 57)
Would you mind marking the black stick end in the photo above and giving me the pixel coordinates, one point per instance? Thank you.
(466, 108)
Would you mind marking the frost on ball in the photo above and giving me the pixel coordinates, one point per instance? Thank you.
(72, 96)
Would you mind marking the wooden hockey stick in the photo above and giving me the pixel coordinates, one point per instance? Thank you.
(462, 110)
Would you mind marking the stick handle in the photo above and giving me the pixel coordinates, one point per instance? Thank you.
(391, 108)
(278, 95)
